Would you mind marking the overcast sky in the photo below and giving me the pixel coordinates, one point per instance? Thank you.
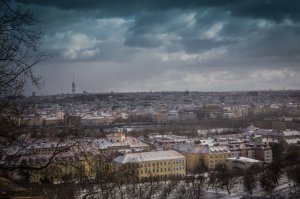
(161, 45)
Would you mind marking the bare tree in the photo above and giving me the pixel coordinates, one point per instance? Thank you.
(166, 191)
(195, 186)
(181, 192)
(224, 178)
(267, 183)
(250, 180)
(19, 41)
(20, 38)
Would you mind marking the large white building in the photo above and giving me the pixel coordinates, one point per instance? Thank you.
(154, 163)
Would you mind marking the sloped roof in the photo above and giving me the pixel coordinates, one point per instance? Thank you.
(148, 156)
(188, 148)
(215, 149)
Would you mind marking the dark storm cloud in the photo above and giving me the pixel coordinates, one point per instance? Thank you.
(168, 24)
(268, 9)
(279, 41)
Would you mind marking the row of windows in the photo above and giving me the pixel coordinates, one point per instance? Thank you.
(168, 175)
(211, 161)
(178, 161)
(163, 169)
(130, 166)
(157, 170)
(163, 163)
(219, 156)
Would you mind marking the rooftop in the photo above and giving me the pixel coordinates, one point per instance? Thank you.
(148, 156)
(244, 159)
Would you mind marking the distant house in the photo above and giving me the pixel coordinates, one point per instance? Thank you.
(116, 137)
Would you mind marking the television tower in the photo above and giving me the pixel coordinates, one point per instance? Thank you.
(73, 85)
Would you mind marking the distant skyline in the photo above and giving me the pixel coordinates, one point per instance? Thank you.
(170, 45)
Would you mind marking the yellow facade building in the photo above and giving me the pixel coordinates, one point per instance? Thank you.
(62, 167)
(193, 155)
(154, 163)
(215, 155)
(198, 156)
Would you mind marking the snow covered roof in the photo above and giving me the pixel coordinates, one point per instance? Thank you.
(243, 159)
(188, 148)
(291, 133)
(102, 143)
(148, 156)
(90, 117)
(292, 141)
(209, 142)
(215, 149)
(133, 142)
(129, 141)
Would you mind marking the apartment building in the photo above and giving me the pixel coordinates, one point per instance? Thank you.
(213, 155)
(193, 155)
(198, 156)
(261, 152)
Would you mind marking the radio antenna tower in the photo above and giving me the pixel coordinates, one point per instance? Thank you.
(73, 85)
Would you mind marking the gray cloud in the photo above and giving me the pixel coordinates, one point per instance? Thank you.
(175, 45)
(145, 41)
(201, 45)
